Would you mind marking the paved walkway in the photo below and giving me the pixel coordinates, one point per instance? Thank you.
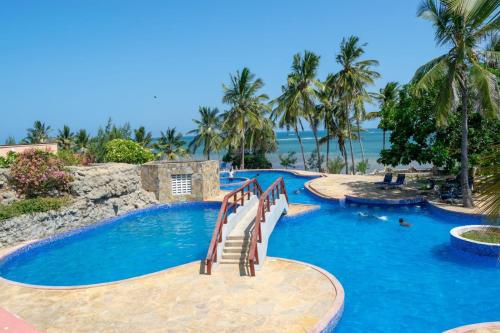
(284, 296)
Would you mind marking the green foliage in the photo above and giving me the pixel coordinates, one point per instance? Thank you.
(142, 137)
(126, 151)
(336, 165)
(35, 205)
(252, 160)
(36, 172)
(10, 140)
(312, 161)
(362, 166)
(39, 133)
(6, 162)
(288, 160)
(170, 145)
(68, 157)
(82, 140)
(208, 131)
(417, 137)
(97, 150)
(65, 138)
(490, 235)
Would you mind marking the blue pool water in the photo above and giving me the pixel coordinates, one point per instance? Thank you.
(396, 279)
(136, 244)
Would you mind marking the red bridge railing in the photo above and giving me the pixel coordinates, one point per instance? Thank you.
(267, 199)
(230, 203)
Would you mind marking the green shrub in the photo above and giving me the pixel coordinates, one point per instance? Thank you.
(35, 205)
(6, 162)
(127, 151)
(68, 157)
(336, 165)
(37, 172)
(362, 166)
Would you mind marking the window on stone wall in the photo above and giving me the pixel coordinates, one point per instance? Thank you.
(181, 184)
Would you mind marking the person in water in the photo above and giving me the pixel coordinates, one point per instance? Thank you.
(382, 218)
(403, 223)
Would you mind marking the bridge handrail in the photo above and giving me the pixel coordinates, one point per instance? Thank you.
(267, 199)
(229, 206)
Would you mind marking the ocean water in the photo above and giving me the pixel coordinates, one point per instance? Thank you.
(287, 142)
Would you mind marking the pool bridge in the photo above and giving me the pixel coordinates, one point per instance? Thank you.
(245, 222)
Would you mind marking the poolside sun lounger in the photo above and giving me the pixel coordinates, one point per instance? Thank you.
(387, 179)
(400, 180)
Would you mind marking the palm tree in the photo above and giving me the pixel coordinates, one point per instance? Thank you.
(170, 145)
(462, 25)
(39, 133)
(142, 137)
(82, 140)
(65, 138)
(289, 116)
(351, 81)
(207, 132)
(246, 108)
(10, 140)
(301, 93)
(388, 100)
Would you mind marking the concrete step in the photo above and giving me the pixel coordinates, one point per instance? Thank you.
(237, 243)
(236, 249)
(235, 256)
(233, 262)
(239, 237)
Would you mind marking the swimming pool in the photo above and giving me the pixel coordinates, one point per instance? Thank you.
(131, 245)
(395, 279)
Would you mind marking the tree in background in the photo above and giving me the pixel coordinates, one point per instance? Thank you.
(207, 132)
(335, 165)
(10, 140)
(104, 135)
(288, 160)
(142, 137)
(65, 138)
(388, 99)
(302, 86)
(170, 145)
(247, 108)
(39, 133)
(82, 140)
(350, 84)
(462, 25)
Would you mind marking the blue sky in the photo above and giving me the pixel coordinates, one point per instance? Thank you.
(80, 62)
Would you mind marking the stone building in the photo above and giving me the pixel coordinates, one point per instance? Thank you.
(181, 180)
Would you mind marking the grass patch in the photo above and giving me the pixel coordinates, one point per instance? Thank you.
(35, 205)
(491, 235)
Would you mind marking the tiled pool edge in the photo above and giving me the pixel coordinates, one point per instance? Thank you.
(330, 320)
(471, 246)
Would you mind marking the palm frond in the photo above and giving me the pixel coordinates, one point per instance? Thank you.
(487, 89)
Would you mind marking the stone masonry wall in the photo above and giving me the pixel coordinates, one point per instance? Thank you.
(100, 191)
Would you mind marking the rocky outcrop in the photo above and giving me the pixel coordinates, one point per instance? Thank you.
(99, 192)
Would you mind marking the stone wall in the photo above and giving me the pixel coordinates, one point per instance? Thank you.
(157, 177)
(99, 192)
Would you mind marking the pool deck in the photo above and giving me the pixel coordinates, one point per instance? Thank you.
(284, 296)
(365, 187)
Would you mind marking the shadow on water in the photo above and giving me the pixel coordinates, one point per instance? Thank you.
(445, 252)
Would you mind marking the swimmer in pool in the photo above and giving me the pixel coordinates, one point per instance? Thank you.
(382, 218)
(403, 223)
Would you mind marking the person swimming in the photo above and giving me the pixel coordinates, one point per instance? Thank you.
(381, 218)
(403, 223)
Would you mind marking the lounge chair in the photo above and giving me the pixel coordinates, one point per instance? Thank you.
(387, 179)
(398, 183)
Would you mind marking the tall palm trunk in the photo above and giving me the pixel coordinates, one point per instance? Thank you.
(301, 146)
(344, 154)
(327, 145)
(360, 141)
(318, 153)
(242, 165)
(208, 154)
(349, 132)
(464, 159)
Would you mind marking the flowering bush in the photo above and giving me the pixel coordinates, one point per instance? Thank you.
(37, 172)
(127, 151)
